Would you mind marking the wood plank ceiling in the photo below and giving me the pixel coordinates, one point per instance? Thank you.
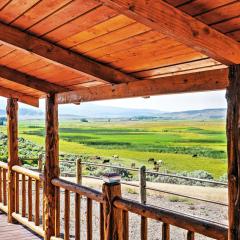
(94, 30)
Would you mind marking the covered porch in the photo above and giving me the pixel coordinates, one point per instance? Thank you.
(80, 51)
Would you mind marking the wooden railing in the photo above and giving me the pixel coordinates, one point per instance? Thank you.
(79, 191)
(191, 224)
(3, 186)
(30, 184)
(113, 210)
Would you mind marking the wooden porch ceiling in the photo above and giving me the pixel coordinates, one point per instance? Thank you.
(78, 47)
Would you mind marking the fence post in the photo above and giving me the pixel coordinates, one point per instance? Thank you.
(143, 200)
(79, 171)
(113, 229)
(40, 163)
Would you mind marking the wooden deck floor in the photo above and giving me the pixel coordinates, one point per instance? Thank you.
(14, 231)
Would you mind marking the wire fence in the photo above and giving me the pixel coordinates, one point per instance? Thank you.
(143, 185)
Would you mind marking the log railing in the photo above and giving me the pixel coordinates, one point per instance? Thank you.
(28, 185)
(3, 186)
(191, 224)
(113, 209)
(79, 191)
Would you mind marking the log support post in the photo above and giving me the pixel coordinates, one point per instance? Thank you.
(12, 128)
(143, 200)
(233, 146)
(51, 169)
(113, 229)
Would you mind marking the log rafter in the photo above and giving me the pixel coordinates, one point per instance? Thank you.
(60, 56)
(174, 23)
(200, 81)
(30, 81)
(24, 98)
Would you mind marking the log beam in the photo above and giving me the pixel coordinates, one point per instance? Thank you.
(12, 127)
(60, 56)
(9, 93)
(30, 81)
(172, 22)
(233, 146)
(193, 82)
(51, 169)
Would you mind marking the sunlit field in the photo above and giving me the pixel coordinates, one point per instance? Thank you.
(182, 145)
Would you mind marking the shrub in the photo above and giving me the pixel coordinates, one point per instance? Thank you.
(174, 180)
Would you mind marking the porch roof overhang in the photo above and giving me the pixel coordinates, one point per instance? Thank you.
(105, 49)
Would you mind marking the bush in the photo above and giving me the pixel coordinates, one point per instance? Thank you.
(125, 174)
(84, 120)
(174, 180)
(224, 178)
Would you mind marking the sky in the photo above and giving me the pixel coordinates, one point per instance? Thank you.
(174, 102)
(166, 103)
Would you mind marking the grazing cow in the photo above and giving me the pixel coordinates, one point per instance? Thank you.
(151, 160)
(115, 157)
(194, 155)
(133, 165)
(156, 167)
(98, 158)
(106, 161)
(160, 162)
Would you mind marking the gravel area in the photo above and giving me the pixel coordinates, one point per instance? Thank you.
(213, 212)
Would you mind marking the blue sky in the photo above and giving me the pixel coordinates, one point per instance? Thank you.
(169, 103)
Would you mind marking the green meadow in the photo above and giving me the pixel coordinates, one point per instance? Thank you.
(182, 145)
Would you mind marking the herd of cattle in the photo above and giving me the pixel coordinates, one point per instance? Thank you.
(156, 163)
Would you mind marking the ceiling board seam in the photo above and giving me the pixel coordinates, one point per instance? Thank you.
(34, 5)
(92, 9)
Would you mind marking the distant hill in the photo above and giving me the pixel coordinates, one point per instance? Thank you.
(96, 111)
(205, 114)
(25, 113)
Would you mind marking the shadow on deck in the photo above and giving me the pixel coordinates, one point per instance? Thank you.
(14, 231)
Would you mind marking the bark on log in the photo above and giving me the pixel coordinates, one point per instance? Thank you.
(233, 146)
(51, 169)
(12, 127)
(112, 215)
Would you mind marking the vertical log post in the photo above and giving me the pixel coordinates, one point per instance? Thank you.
(78, 200)
(51, 169)
(143, 200)
(233, 146)
(112, 216)
(12, 127)
(40, 163)
(79, 171)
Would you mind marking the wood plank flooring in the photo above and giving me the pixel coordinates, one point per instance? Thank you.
(14, 231)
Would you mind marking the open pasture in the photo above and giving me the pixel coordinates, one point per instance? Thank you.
(182, 145)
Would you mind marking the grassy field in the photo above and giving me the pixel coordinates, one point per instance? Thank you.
(174, 142)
